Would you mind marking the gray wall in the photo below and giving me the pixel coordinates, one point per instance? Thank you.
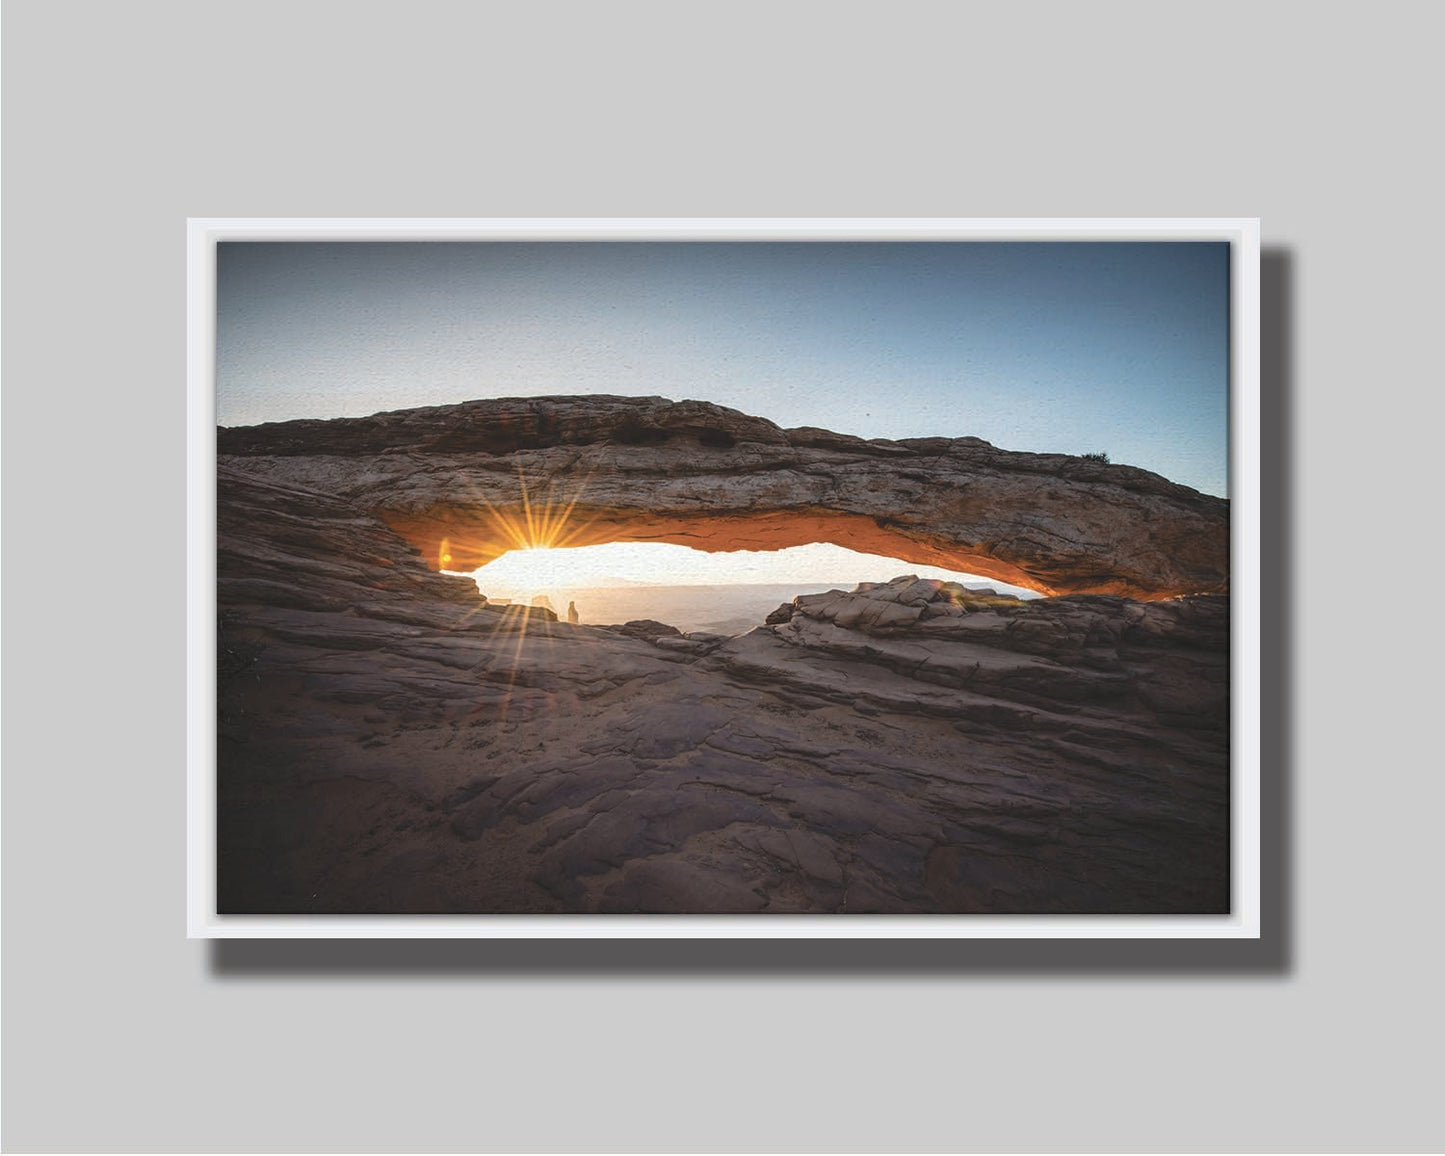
(123, 119)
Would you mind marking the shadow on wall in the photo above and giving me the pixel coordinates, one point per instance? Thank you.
(1272, 954)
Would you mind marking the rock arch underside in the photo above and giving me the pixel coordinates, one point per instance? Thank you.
(389, 742)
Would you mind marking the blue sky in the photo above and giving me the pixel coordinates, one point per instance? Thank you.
(1119, 348)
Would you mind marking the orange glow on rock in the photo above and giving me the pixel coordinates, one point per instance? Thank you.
(466, 538)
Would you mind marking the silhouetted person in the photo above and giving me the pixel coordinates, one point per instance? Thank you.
(572, 612)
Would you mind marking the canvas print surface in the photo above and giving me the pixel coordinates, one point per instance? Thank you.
(747, 577)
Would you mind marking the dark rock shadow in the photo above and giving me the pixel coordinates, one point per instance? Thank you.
(623, 959)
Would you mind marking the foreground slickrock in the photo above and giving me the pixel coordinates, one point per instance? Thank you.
(462, 482)
(389, 743)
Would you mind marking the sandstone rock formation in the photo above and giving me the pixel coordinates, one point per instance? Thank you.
(390, 742)
(465, 483)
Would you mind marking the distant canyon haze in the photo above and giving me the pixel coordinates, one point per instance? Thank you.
(714, 609)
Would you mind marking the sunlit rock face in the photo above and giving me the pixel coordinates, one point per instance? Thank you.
(466, 483)
(389, 742)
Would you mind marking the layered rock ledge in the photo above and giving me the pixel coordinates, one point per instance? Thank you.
(390, 743)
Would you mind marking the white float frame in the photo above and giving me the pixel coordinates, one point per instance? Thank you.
(1243, 922)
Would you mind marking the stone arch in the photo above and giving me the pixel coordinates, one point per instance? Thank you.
(465, 483)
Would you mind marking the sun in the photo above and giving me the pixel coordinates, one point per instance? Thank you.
(545, 524)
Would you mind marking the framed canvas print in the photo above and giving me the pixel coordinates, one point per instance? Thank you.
(723, 578)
